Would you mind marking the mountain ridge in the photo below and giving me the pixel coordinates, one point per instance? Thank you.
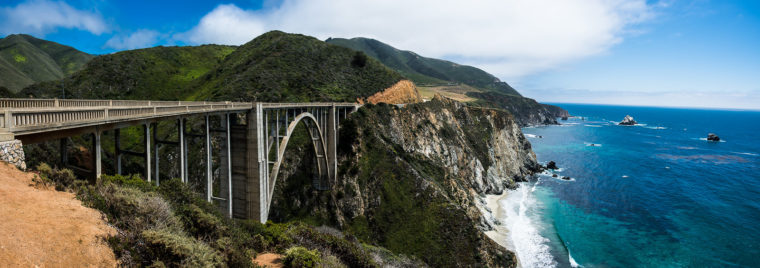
(485, 89)
(25, 60)
(424, 70)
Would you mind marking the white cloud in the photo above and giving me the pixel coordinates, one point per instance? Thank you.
(227, 24)
(139, 39)
(510, 38)
(43, 16)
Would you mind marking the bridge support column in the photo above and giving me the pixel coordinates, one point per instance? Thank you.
(146, 142)
(229, 164)
(117, 151)
(257, 188)
(183, 151)
(97, 157)
(332, 145)
(209, 164)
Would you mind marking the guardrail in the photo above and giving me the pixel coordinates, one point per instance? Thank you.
(13, 118)
(50, 103)
(26, 114)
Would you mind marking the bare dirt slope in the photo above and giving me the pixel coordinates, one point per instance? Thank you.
(47, 228)
(269, 260)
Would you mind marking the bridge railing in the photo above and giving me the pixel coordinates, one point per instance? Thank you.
(51, 103)
(13, 118)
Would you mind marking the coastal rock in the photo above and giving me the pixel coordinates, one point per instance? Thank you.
(566, 178)
(712, 137)
(551, 165)
(554, 175)
(627, 121)
(564, 118)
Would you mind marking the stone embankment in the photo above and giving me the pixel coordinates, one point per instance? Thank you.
(13, 152)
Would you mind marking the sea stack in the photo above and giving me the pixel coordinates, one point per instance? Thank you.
(712, 137)
(627, 121)
(551, 165)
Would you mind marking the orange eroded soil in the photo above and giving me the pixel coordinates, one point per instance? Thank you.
(272, 260)
(47, 228)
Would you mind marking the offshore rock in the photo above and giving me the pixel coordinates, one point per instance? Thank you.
(627, 121)
(551, 165)
(712, 137)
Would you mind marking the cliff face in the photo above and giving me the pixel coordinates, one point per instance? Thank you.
(402, 92)
(413, 179)
(527, 111)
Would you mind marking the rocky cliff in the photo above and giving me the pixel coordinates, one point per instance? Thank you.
(413, 180)
(527, 111)
(403, 91)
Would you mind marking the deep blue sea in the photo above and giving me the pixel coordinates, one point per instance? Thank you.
(653, 195)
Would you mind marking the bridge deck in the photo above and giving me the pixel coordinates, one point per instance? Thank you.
(19, 117)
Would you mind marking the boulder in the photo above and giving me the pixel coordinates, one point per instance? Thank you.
(551, 165)
(627, 121)
(712, 137)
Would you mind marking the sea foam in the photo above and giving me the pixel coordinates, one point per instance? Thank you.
(532, 249)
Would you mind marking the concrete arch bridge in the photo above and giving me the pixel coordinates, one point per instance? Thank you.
(248, 170)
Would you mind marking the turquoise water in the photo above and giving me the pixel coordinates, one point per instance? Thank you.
(653, 195)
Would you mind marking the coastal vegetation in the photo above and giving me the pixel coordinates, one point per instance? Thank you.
(171, 225)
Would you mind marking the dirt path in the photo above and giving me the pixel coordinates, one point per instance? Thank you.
(47, 228)
(271, 260)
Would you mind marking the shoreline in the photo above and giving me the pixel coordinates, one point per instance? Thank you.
(500, 233)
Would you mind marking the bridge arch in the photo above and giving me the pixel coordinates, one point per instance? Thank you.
(316, 134)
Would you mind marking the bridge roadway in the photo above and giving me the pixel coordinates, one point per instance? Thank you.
(248, 171)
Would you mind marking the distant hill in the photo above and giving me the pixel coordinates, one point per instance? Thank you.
(158, 73)
(440, 76)
(275, 66)
(25, 60)
(423, 70)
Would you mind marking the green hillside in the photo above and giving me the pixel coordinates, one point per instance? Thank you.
(25, 60)
(425, 71)
(278, 66)
(275, 66)
(159, 73)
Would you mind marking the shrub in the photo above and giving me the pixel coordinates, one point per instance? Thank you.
(179, 250)
(301, 257)
(61, 178)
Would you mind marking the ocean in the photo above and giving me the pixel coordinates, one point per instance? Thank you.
(657, 194)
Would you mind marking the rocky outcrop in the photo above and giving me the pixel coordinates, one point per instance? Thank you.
(13, 152)
(551, 165)
(526, 111)
(402, 92)
(413, 180)
(712, 137)
(627, 121)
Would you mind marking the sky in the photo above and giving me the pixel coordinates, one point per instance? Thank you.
(684, 53)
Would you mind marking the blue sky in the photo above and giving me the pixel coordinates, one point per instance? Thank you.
(692, 53)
